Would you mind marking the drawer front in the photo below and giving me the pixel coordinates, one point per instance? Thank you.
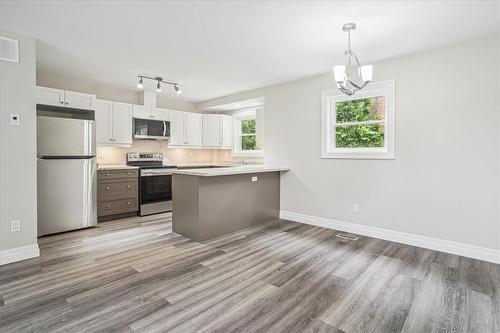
(114, 190)
(117, 174)
(117, 206)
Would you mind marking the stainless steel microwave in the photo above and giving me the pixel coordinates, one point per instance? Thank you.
(151, 129)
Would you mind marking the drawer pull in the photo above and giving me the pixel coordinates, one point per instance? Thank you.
(107, 187)
(128, 203)
(128, 173)
(107, 174)
(107, 206)
(128, 186)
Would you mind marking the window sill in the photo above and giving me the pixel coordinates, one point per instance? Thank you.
(359, 155)
(258, 153)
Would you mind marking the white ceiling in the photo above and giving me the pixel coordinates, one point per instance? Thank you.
(216, 48)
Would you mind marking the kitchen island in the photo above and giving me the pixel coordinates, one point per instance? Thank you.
(207, 203)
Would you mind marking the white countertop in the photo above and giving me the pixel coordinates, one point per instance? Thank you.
(234, 170)
(199, 164)
(115, 167)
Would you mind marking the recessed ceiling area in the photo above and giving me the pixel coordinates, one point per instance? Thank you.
(245, 104)
(217, 48)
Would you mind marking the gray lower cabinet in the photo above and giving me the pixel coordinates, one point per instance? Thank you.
(117, 193)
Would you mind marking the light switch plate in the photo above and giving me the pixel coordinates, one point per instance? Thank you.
(355, 207)
(254, 178)
(15, 226)
(15, 119)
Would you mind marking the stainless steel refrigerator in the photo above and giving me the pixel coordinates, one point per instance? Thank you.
(66, 174)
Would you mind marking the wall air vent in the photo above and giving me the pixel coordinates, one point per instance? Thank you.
(9, 49)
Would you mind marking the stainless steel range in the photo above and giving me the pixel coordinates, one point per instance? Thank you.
(155, 182)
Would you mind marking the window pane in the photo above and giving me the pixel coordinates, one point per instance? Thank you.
(248, 142)
(360, 136)
(248, 126)
(364, 109)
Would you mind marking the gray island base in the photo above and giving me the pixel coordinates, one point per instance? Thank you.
(215, 203)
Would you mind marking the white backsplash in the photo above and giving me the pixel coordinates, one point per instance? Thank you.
(117, 155)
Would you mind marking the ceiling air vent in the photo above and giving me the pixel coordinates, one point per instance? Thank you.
(9, 49)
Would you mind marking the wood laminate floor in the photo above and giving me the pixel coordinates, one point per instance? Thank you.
(135, 275)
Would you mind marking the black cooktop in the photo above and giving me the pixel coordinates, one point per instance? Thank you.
(151, 165)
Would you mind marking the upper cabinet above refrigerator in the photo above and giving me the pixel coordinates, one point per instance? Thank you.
(64, 98)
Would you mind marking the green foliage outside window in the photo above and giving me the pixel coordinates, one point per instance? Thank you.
(248, 139)
(359, 136)
(248, 142)
(248, 126)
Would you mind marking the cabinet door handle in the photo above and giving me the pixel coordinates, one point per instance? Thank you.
(107, 206)
(66, 103)
(107, 174)
(128, 203)
(107, 188)
(128, 186)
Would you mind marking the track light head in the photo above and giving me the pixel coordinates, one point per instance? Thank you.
(158, 87)
(140, 85)
(177, 89)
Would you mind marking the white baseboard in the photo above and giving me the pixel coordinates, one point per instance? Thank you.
(19, 253)
(461, 249)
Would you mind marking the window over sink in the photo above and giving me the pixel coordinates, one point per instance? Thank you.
(248, 132)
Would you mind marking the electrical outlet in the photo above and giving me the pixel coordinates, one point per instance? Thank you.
(355, 207)
(254, 178)
(15, 119)
(15, 226)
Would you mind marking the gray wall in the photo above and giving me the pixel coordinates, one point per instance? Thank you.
(444, 180)
(18, 146)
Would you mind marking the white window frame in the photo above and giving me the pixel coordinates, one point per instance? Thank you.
(237, 118)
(328, 121)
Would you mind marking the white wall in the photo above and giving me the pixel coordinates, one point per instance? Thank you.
(17, 151)
(444, 180)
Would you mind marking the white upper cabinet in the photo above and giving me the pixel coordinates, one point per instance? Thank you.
(177, 120)
(193, 129)
(217, 131)
(79, 100)
(211, 130)
(65, 98)
(227, 131)
(185, 128)
(103, 121)
(113, 123)
(49, 96)
(147, 112)
(122, 123)
(160, 114)
(141, 111)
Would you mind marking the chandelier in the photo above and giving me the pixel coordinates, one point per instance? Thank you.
(347, 76)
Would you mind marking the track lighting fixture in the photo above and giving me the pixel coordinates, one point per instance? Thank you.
(140, 85)
(159, 81)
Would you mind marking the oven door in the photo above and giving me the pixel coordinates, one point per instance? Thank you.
(156, 191)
